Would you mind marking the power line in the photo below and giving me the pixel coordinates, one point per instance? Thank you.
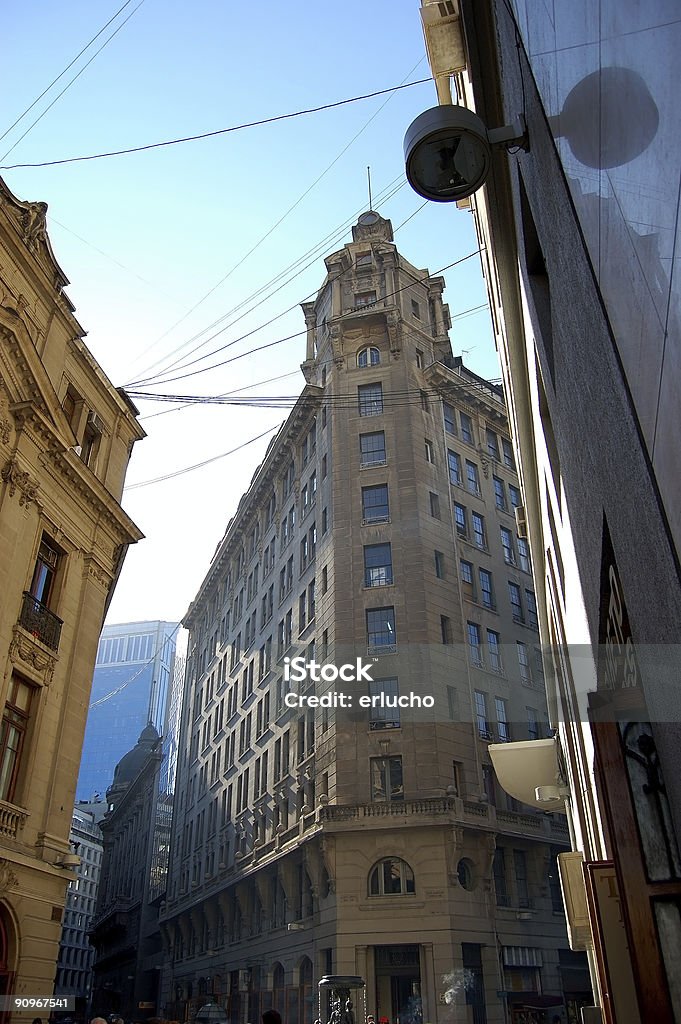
(219, 131)
(66, 87)
(62, 73)
(296, 334)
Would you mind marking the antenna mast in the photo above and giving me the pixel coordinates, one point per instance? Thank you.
(369, 180)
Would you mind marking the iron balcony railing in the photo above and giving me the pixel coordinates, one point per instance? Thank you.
(38, 620)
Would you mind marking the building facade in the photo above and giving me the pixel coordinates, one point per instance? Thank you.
(66, 435)
(134, 667)
(579, 233)
(345, 827)
(76, 954)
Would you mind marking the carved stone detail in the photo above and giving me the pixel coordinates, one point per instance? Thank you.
(484, 461)
(394, 326)
(7, 877)
(19, 480)
(25, 652)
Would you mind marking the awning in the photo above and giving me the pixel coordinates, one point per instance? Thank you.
(533, 1000)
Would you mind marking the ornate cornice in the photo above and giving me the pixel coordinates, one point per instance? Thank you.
(8, 879)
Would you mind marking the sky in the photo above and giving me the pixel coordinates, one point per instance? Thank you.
(216, 242)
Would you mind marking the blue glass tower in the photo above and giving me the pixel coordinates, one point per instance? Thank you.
(135, 663)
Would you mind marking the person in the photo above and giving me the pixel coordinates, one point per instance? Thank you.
(97, 1020)
(271, 1017)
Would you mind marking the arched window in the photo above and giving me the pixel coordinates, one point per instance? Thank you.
(368, 357)
(391, 877)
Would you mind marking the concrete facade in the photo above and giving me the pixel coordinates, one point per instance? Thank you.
(66, 435)
(579, 238)
(312, 839)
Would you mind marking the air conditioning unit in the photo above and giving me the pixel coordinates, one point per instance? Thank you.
(95, 422)
(521, 521)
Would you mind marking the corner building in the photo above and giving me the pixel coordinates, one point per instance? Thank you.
(357, 840)
(66, 435)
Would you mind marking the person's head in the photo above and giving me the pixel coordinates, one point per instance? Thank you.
(37, 1020)
(271, 1017)
(98, 1020)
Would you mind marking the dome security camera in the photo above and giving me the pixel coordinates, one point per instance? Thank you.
(448, 152)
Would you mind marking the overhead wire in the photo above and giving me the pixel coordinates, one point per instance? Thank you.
(218, 131)
(291, 208)
(68, 86)
(62, 73)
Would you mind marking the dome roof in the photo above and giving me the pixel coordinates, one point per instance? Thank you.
(132, 763)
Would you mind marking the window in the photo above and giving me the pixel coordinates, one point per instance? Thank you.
(474, 643)
(507, 545)
(531, 603)
(419, 359)
(324, 466)
(466, 427)
(486, 593)
(460, 521)
(364, 299)
(454, 464)
(325, 579)
(15, 723)
(368, 356)
(472, 477)
(92, 437)
(439, 565)
(370, 399)
(381, 638)
(375, 507)
(520, 868)
(415, 309)
(499, 872)
(503, 730)
(35, 615)
(507, 449)
(514, 495)
(492, 443)
(430, 451)
(45, 571)
(363, 259)
(467, 582)
(378, 565)
(325, 521)
(479, 534)
(516, 603)
(446, 630)
(434, 505)
(391, 877)
(523, 663)
(524, 555)
(500, 494)
(372, 449)
(450, 418)
(481, 719)
(425, 405)
(386, 779)
(532, 724)
(494, 651)
(381, 715)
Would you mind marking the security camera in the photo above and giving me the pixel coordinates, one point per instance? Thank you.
(448, 151)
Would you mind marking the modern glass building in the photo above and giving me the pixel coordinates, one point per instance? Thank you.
(130, 688)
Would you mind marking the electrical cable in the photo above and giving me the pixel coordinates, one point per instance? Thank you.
(123, 686)
(62, 73)
(296, 334)
(291, 208)
(219, 131)
(68, 86)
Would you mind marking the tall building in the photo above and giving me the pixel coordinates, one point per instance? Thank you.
(579, 235)
(76, 954)
(353, 826)
(134, 667)
(66, 435)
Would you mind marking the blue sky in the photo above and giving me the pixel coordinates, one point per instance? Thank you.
(144, 237)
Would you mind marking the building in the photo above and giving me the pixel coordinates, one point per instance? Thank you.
(312, 838)
(579, 235)
(135, 663)
(76, 954)
(66, 435)
(125, 928)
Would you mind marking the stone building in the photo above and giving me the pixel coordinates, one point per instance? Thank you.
(66, 435)
(364, 834)
(579, 238)
(76, 954)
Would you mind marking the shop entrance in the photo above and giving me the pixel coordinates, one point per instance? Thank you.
(398, 985)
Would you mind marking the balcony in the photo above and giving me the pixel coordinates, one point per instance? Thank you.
(12, 820)
(40, 622)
